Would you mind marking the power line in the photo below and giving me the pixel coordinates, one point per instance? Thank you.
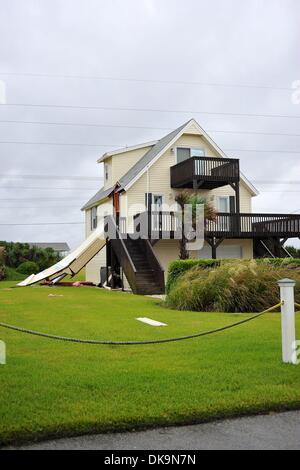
(74, 124)
(93, 178)
(62, 144)
(151, 110)
(37, 207)
(142, 80)
(45, 223)
(49, 188)
(124, 146)
(262, 151)
(40, 199)
(52, 177)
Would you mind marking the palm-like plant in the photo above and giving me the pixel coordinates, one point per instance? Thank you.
(184, 198)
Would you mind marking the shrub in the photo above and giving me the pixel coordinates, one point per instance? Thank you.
(17, 253)
(295, 252)
(292, 263)
(28, 267)
(2, 254)
(179, 267)
(2, 272)
(235, 286)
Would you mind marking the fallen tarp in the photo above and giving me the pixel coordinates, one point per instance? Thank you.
(74, 262)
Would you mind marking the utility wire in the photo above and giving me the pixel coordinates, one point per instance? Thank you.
(74, 124)
(52, 177)
(99, 179)
(142, 80)
(45, 223)
(151, 110)
(47, 188)
(124, 146)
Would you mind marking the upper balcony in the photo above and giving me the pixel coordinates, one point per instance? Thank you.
(205, 173)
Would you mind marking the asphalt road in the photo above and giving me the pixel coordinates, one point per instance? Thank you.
(274, 431)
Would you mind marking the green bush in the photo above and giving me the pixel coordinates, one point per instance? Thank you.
(235, 286)
(12, 275)
(295, 252)
(179, 267)
(2, 272)
(17, 253)
(28, 267)
(292, 263)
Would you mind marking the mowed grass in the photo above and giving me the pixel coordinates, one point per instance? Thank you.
(51, 389)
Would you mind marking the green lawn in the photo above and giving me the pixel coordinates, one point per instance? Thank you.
(50, 388)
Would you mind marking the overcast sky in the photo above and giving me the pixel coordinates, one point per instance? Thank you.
(180, 59)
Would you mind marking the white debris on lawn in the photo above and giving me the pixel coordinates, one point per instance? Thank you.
(151, 322)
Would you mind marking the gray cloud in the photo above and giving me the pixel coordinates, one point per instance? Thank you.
(193, 41)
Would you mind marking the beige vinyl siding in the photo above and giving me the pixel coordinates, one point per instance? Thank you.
(245, 246)
(122, 162)
(93, 267)
(92, 270)
(166, 252)
(157, 179)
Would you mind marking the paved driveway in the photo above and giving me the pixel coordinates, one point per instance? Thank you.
(274, 431)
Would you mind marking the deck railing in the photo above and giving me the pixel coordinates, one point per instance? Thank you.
(209, 169)
(162, 224)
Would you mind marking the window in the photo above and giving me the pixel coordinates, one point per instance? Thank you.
(106, 171)
(184, 153)
(157, 202)
(223, 204)
(94, 219)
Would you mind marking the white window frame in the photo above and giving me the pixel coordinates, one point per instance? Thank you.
(159, 195)
(190, 148)
(228, 202)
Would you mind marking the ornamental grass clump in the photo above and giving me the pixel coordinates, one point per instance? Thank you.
(237, 286)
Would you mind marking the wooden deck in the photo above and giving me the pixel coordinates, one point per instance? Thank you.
(167, 225)
(205, 173)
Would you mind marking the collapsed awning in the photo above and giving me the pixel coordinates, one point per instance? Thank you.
(74, 262)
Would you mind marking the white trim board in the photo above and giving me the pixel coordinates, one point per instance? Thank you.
(151, 322)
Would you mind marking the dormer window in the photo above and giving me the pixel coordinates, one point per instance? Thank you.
(184, 153)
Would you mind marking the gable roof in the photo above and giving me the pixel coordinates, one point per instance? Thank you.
(152, 155)
(148, 158)
(98, 197)
(55, 246)
(126, 149)
(162, 145)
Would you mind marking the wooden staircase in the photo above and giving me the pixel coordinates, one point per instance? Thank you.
(149, 274)
(138, 261)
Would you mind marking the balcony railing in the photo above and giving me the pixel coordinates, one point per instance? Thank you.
(254, 225)
(160, 224)
(206, 172)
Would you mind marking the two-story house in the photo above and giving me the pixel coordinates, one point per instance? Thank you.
(147, 177)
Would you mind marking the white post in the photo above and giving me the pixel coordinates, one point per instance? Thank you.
(288, 328)
(2, 353)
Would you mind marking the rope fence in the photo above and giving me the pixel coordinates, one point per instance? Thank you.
(133, 343)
